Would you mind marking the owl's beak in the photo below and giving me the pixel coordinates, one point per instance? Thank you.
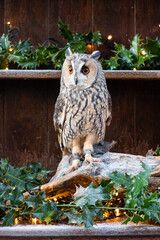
(76, 81)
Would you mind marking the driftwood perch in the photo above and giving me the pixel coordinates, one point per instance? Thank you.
(63, 184)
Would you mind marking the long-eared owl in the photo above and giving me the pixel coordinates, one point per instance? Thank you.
(83, 107)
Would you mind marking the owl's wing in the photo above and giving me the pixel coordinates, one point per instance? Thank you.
(59, 113)
(109, 109)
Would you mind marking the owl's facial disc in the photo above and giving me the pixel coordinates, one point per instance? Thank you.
(79, 73)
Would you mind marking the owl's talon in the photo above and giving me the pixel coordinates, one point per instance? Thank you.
(90, 159)
(74, 166)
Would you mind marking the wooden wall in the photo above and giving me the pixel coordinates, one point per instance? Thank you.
(26, 107)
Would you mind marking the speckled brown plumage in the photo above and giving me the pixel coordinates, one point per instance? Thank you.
(83, 107)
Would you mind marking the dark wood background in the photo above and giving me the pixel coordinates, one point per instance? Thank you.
(26, 107)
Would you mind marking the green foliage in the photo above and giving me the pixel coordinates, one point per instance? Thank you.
(157, 151)
(88, 203)
(138, 56)
(28, 57)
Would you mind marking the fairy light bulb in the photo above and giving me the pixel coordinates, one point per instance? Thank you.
(34, 220)
(143, 52)
(6, 68)
(134, 69)
(16, 221)
(117, 212)
(109, 37)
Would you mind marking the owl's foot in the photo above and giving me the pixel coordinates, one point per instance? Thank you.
(74, 166)
(90, 159)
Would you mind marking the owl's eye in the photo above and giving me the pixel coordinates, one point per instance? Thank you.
(70, 69)
(85, 70)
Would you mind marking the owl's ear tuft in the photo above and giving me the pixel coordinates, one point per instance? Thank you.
(68, 52)
(95, 55)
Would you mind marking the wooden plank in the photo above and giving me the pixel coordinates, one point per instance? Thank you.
(115, 18)
(54, 152)
(56, 74)
(31, 17)
(25, 124)
(147, 116)
(1, 120)
(1, 17)
(123, 116)
(111, 229)
(147, 18)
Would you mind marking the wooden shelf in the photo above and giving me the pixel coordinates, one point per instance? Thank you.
(109, 229)
(56, 74)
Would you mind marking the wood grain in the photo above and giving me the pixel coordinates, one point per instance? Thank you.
(147, 18)
(25, 128)
(115, 18)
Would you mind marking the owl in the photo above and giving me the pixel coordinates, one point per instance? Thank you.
(83, 107)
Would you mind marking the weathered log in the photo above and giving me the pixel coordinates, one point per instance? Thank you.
(64, 183)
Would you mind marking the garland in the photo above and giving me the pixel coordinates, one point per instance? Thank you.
(96, 202)
(140, 55)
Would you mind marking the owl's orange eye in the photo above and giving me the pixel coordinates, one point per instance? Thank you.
(85, 70)
(70, 70)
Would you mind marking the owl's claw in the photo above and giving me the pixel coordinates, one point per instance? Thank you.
(74, 166)
(90, 159)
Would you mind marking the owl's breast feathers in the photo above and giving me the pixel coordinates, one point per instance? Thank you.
(80, 112)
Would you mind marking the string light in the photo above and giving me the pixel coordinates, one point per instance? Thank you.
(34, 220)
(134, 69)
(16, 221)
(117, 212)
(109, 37)
(143, 52)
(11, 49)
(6, 68)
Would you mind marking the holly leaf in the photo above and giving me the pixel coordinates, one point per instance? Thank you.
(152, 46)
(46, 212)
(112, 63)
(66, 33)
(122, 179)
(16, 197)
(74, 216)
(8, 219)
(5, 190)
(34, 201)
(88, 215)
(92, 194)
(135, 48)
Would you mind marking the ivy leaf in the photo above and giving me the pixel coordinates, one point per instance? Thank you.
(46, 212)
(8, 219)
(16, 197)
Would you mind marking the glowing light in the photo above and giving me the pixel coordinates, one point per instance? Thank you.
(6, 68)
(8, 23)
(11, 49)
(116, 194)
(109, 37)
(106, 215)
(16, 221)
(34, 220)
(159, 25)
(134, 69)
(143, 52)
(117, 212)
